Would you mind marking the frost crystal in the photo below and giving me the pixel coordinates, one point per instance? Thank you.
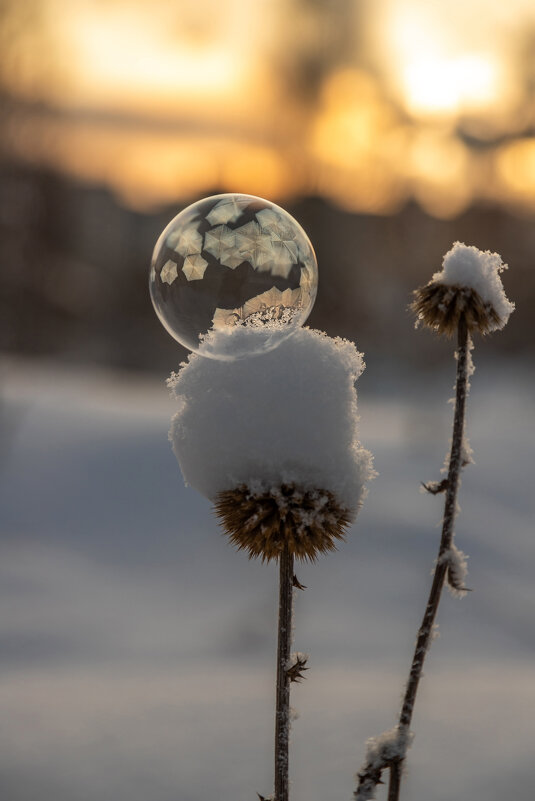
(381, 751)
(457, 570)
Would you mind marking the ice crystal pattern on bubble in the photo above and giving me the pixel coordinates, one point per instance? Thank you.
(232, 260)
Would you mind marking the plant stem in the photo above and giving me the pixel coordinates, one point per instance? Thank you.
(395, 780)
(282, 714)
(450, 507)
(391, 752)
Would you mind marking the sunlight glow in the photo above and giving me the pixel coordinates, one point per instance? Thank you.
(351, 118)
(438, 167)
(165, 101)
(436, 73)
(465, 82)
(515, 164)
(128, 53)
(128, 57)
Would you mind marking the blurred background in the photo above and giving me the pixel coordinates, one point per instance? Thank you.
(389, 128)
(136, 649)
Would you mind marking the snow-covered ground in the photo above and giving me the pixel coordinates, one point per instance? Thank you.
(138, 649)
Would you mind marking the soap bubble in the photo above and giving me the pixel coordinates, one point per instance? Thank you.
(232, 276)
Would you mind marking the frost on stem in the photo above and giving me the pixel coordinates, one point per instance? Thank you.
(468, 286)
(381, 752)
(466, 296)
(457, 570)
(467, 454)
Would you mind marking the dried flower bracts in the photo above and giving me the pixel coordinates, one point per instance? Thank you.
(468, 287)
(310, 521)
(441, 307)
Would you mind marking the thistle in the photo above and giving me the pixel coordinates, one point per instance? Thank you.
(283, 523)
(441, 307)
(467, 296)
(272, 441)
(308, 522)
(267, 425)
(468, 289)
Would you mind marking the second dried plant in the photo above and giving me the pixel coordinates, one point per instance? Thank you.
(463, 299)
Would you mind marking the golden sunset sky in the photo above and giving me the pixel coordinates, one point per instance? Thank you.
(367, 103)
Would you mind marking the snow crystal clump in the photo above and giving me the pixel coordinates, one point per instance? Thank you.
(287, 417)
(467, 266)
(389, 745)
(381, 752)
(457, 570)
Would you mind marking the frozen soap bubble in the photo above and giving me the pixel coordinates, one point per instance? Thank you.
(233, 276)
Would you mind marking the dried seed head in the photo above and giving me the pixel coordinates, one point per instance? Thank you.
(440, 307)
(310, 521)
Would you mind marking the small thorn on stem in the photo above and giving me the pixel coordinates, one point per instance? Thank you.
(436, 487)
(297, 584)
(294, 672)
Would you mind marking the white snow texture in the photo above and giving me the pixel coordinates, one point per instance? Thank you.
(287, 416)
(466, 266)
(380, 751)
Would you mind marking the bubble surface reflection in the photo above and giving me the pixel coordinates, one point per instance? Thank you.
(228, 263)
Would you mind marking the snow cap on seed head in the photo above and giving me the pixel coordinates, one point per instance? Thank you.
(272, 441)
(468, 286)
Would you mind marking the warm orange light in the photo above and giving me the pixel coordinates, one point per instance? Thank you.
(126, 52)
(438, 167)
(515, 165)
(255, 170)
(141, 57)
(351, 118)
(464, 83)
(438, 71)
(353, 144)
(162, 101)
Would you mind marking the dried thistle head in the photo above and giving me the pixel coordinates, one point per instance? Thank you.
(310, 521)
(440, 307)
(469, 287)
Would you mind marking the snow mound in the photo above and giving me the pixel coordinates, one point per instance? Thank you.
(467, 266)
(288, 416)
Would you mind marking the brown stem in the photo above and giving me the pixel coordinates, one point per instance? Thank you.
(450, 508)
(371, 774)
(282, 714)
(395, 780)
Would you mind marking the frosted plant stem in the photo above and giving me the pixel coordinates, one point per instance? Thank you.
(388, 750)
(282, 714)
(395, 780)
(450, 507)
